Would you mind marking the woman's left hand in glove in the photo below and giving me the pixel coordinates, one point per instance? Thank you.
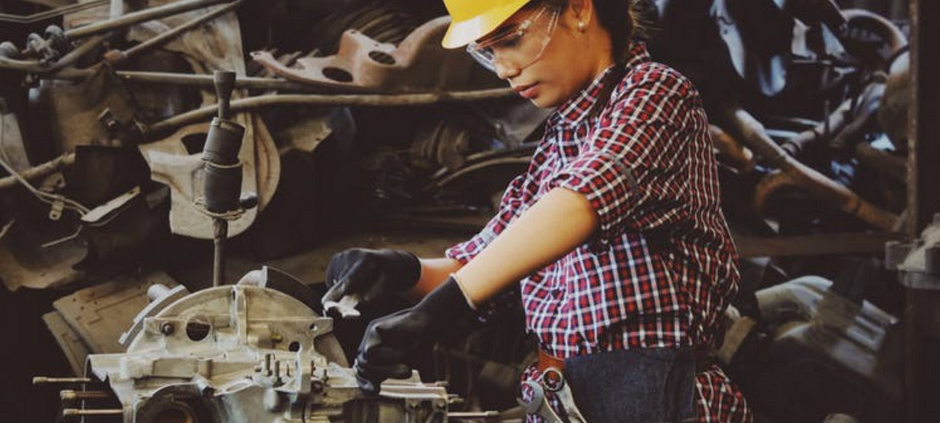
(389, 341)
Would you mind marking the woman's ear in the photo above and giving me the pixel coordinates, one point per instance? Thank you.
(582, 10)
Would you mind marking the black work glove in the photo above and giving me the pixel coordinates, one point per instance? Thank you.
(373, 275)
(390, 340)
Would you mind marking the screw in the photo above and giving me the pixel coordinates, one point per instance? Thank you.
(167, 328)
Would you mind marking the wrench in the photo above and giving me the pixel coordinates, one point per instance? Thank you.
(553, 381)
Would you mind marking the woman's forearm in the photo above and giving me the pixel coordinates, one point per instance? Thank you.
(554, 226)
(433, 273)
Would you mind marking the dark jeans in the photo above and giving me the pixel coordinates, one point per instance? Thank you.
(647, 385)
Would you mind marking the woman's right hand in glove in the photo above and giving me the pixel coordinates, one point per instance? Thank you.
(371, 276)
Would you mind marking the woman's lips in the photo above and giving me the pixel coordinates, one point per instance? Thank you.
(528, 91)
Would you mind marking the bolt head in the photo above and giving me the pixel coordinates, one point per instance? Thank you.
(167, 328)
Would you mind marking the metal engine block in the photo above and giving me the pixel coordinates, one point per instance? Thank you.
(245, 354)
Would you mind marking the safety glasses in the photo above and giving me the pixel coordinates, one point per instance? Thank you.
(517, 44)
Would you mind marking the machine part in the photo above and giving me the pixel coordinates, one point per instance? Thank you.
(827, 354)
(377, 100)
(441, 144)
(860, 23)
(99, 314)
(918, 264)
(737, 155)
(418, 64)
(74, 110)
(55, 11)
(69, 341)
(50, 65)
(250, 354)
(116, 57)
(383, 22)
(160, 297)
(174, 160)
(752, 134)
(134, 18)
(26, 263)
(344, 308)
(12, 145)
(893, 113)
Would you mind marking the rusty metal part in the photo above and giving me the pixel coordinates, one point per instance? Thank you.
(752, 134)
(116, 57)
(418, 64)
(40, 380)
(368, 100)
(739, 156)
(71, 395)
(76, 412)
(39, 171)
(51, 13)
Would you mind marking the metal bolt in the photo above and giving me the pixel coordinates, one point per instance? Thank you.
(316, 386)
(167, 328)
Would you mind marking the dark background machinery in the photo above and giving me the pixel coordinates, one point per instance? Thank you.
(809, 104)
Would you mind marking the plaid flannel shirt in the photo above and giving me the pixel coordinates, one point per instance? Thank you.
(662, 267)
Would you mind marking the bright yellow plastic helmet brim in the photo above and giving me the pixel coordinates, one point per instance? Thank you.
(463, 29)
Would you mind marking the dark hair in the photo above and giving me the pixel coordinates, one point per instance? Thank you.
(622, 20)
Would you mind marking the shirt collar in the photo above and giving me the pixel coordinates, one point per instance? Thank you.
(577, 108)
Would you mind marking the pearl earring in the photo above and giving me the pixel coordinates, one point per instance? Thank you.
(581, 26)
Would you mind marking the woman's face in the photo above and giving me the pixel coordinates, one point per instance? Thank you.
(550, 61)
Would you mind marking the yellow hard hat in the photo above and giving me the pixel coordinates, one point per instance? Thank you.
(472, 19)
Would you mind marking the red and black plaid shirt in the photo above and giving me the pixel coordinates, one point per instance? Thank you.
(662, 267)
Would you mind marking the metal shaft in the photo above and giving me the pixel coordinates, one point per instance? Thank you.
(70, 412)
(218, 264)
(38, 380)
(68, 395)
(140, 16)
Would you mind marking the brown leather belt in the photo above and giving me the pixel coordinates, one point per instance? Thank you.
(703, 360)
(547, 360)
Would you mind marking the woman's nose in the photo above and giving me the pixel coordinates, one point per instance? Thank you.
(505, 71)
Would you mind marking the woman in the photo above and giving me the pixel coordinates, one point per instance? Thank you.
(614, 231)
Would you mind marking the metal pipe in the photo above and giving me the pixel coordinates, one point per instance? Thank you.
(44, 169)
(740, 157)
(218, 264)
(77, 412)
(876, 23)
(39, 380)
(140, 16)
(120, 56)
(367, 100)
(754, 136)
(885, 163)
(70, 395)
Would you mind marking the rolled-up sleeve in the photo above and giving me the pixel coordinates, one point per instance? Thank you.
(629, 170)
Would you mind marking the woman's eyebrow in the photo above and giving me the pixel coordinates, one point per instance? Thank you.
(499, 32)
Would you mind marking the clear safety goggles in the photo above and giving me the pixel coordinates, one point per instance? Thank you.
(517, 44)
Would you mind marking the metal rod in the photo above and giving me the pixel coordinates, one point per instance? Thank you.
(68, 395)
(140, 16)
(38, 380)
(71, 412)
(171, 34)
(44, 169)
(368, 100)
(468, 415)
(248, 82)
(218, 264)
